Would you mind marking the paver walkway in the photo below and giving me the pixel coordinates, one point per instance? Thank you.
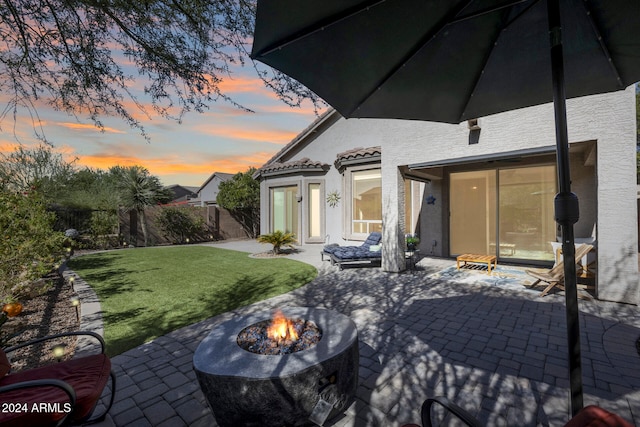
(498, 353)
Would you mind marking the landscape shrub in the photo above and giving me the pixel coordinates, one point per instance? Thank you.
(181, 223)
(278, 239)
(104, 225)
(29, 247)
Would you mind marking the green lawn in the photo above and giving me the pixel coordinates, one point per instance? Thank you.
(147, 292)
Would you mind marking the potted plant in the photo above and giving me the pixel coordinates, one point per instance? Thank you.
(412, 242)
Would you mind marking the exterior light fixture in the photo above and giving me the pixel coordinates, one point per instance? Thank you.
(75, 302)
(473, 124)
(58, 351)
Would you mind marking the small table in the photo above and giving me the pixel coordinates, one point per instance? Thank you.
(478, 259)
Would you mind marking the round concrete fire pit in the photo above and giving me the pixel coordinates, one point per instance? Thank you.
(249, 389)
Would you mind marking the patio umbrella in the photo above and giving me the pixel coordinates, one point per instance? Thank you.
(450, 61)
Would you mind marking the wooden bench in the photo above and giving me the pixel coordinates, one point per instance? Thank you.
(478, 259)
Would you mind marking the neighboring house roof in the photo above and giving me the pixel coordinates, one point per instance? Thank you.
(186, 187)
(277, 168)
(181, 193)
(223, 176)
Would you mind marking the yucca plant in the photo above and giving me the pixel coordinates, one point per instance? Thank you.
(278, 239)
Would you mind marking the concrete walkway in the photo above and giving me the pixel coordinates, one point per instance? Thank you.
(501, 354)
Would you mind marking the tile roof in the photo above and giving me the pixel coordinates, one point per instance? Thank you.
(357, 156)
(359, 153)
(278, 168)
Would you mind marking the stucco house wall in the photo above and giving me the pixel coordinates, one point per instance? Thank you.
(603, 139)
(334, 138)
(607, 119)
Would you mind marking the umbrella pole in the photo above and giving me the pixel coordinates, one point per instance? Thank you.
(566, 207)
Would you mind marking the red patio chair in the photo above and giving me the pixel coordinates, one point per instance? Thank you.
(589, 416)
(64, 393)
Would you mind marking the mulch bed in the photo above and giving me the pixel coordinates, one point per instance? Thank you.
(268, 255)
(284, 252)
(47, 314)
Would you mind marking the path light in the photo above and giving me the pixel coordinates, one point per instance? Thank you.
(187, 240)
(75, 301)
(72, 281)
(58, 351)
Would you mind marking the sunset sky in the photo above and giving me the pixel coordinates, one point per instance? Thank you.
(224, 139)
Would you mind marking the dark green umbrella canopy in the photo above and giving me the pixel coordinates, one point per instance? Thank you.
(446, 61)
(450, 61)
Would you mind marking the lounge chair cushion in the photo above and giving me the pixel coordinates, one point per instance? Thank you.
(328, 249)
(594, 416)
(357, 253)
(372, 239)
(86, 375)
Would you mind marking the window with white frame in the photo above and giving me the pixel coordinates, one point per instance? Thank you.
(315, 212)
(366, 201)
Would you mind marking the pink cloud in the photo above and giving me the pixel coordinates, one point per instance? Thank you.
(87, 126)
(273, 136)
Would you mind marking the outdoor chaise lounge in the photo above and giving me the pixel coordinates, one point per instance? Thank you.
(555, 276)
(372, 240)
(591, 416)
(355, 255)
(70, 390)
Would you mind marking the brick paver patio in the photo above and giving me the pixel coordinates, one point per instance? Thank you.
(498, 353)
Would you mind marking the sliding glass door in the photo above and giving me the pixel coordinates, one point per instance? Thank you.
(504, 212)
(526, 221)
(473, 212)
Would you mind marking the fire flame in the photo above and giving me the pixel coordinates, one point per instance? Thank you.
(281, 328)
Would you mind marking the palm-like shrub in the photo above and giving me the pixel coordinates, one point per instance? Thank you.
(138, 191)
(278, 239)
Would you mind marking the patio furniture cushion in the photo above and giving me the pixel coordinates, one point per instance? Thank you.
(594, 416)
(330, 247)
(348, 254)
(356, 254)
(372, 239)
(87, 376)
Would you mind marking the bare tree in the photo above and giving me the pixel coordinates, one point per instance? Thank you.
(40, 168)
(74, 55)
